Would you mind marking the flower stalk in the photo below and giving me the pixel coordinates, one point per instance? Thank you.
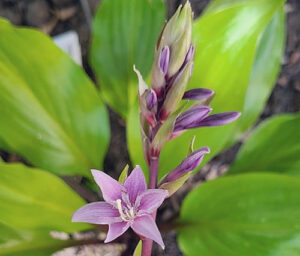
(164, 115)
(161, 105)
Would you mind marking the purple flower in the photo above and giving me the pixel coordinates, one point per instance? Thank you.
(126, 205)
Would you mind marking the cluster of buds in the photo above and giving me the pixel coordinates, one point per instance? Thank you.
(167, 109)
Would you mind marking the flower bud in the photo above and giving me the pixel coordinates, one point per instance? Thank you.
(178, 35)
(190, 117)
(159, 71)
(188, 164)
(198, 94)
(164, 59)
(147, 100)
(172, 48)
(175, 93)
(216, 120)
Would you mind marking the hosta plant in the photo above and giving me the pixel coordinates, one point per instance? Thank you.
(208, 77)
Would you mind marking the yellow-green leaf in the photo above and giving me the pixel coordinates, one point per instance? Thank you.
(50, 112)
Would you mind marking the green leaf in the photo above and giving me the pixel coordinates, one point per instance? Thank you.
(124, 174)
(173, 186)
(123, 35)
(274, 146)
(230, 39)
(138, 249)
(249, 214)
(265, 70)
(34, 199)
(15, 242)
(50, 112)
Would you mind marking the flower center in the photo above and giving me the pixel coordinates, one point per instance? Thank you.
(127, 213)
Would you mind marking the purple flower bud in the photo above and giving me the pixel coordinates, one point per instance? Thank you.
(188, 164)
(198, 94)
(191, 117)
(218, 119)
(189, 55)
(151, 99)
(164, 59)
(175, 93)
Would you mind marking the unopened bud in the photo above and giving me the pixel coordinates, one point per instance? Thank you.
(191, 117)
(176, 92)
(159, 70)
(147, 100)
(178, 35)
(188, 164)
(164, 59)
(172, 48)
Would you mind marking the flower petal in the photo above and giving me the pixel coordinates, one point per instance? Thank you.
(198, 94)
(146, 227)
(115, 230)
(135, 184)
(219, 119)
(150, 200)
(111, 189)
(97, 213)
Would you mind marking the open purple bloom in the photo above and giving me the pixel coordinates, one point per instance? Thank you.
(126, 205)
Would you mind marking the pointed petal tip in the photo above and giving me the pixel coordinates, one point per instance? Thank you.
(110, 188)
(206, 149)
(94, 171)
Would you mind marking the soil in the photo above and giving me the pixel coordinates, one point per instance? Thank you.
(57, 16)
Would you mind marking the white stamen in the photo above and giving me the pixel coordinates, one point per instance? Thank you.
(119, 204)
(128, 213)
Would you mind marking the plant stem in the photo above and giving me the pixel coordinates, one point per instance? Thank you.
(153, 172)
(153, 168)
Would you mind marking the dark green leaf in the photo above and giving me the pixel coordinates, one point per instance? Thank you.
(124, 34)
(274, 146)
(249, 215)
(50, 112)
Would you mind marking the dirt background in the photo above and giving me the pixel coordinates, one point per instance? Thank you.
(57, 16)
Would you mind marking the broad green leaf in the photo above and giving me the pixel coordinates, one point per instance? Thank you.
(274, 146)
(124, 34)
(265, 70)
(230, 38)
(15, 242)
(32, 199)
(50, 112)
(249, 215)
